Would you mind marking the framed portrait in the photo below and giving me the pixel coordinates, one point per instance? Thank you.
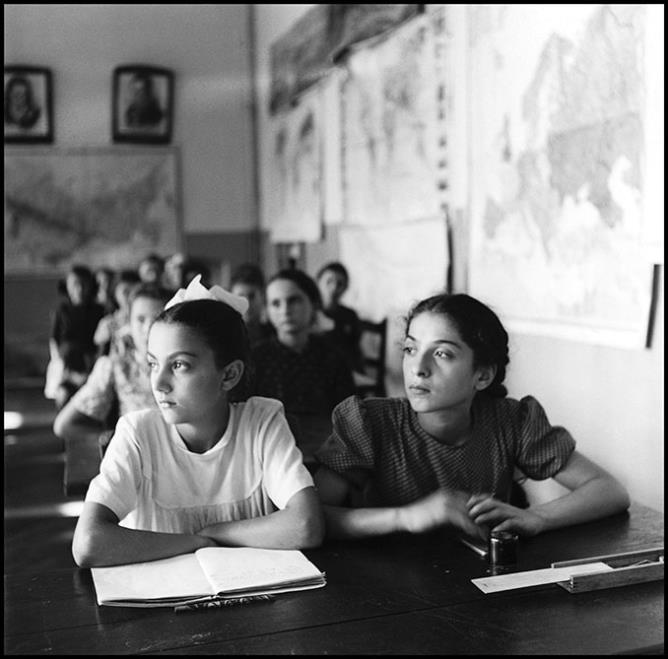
(142, 104)
(28, 105)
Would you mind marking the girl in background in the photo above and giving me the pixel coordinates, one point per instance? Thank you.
(114, 325)
(72, 332)
(105, 280)
(119, 382)
(307, 372)
(248, 281)
(199, 471)
(333, 281)
(445, 455)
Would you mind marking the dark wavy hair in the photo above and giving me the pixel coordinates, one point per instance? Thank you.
(479, 327)
(303, 281)
(336, 267)
(219, 326)
(87, 279)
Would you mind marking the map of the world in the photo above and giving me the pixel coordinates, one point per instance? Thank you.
(557, 170)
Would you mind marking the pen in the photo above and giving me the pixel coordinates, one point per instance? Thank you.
(478, 550)
(220, 602)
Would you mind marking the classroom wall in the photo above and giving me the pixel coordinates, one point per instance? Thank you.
(611, 399)
(207, 47)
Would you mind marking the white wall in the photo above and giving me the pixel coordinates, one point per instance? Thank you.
(207, 46)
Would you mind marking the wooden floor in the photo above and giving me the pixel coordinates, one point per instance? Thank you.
(39, 517)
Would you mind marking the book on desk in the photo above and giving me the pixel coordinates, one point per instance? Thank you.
(211, 572)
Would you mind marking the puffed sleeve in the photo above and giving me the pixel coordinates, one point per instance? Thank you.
(119, 480)
(98, 393)
(543, 449)
(350, 446)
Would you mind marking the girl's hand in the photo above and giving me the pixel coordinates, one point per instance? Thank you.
(484, 509)
(440, 508)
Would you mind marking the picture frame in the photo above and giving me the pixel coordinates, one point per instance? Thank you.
(142, 98)
(28, 105)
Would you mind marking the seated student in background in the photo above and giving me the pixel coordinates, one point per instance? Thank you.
(198, 471)
(151, 269)
(111, 325)
(445, 455)
(119, 381)
(307, 372)
(333, 282)
(73, 329)
(173, 275)
(105, 280)
(248, 281)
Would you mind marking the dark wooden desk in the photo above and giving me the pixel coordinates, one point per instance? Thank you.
(393, 595)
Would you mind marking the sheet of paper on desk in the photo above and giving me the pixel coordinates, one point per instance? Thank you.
(495, 584)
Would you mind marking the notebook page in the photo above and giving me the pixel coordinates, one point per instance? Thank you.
(242, 568)
(178, 576)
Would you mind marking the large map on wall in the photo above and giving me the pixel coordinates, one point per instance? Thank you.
(105, 206)
(557, 169)
(390, 135)
(295, 193)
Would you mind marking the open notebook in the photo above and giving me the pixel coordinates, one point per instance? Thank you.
(213, 571)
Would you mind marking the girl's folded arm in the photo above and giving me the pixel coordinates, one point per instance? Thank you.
(100, 541)
(594, 494)
(343, 522)
(299, 525)
(440, 508)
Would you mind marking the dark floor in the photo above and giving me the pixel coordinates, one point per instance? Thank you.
(39, 518)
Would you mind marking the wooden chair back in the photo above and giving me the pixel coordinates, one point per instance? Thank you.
(373, 344)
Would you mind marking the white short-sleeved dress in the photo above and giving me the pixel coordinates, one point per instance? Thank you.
(152, 482)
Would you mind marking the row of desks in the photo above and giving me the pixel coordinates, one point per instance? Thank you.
(399, 594)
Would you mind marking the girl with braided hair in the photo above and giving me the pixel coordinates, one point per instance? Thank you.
(447, 453)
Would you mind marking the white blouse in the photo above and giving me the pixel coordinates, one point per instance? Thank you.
(152, 481)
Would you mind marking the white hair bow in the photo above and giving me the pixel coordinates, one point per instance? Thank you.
(196, 291)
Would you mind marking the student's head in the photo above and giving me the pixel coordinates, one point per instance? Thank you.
(333, 282)
(455, 347)
(293, 299)
(174, 270)
(127, 281)
(248, 281)
(197, 351)
(146, 302)
(151, 268)
(105, 281)
(80, 285)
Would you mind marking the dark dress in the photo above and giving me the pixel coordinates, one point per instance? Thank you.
(347, 332)
(312, 382)
(379, 446)
(73, 331)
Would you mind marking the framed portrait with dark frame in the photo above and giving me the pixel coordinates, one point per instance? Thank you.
(28, 105)
(142, 104)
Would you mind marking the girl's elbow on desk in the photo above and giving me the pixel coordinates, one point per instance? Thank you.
(84, 552)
